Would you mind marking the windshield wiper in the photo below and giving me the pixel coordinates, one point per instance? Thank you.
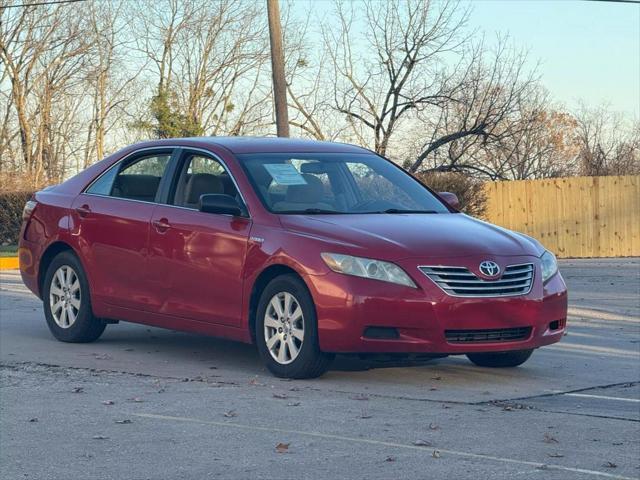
(399, 210)
(319, 211)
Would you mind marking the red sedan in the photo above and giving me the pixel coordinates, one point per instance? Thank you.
(306, 248)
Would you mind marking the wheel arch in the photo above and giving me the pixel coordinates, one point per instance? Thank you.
(47, 257)
(268, 274)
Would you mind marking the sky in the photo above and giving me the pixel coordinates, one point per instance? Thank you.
(588, 51)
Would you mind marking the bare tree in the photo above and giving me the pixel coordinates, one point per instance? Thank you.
(205, 53)
(403, 74)
(533, 141)
(482, 111)
(401, 77)
(608, 145)
(308, 86)
(42, 49)
(543, 144)
(111, 84)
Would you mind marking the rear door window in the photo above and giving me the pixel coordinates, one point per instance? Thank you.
(135, 180)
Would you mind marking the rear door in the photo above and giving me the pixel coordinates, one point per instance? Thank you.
(199, 256)
(112, 220)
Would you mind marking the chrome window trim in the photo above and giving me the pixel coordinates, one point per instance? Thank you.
(168, 147)
(518, 294)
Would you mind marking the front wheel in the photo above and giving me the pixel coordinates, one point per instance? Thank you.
(287, 330)
(67, 304)
(500, 359)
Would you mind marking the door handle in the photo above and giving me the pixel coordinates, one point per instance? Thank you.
(162, 225)
(83, 211)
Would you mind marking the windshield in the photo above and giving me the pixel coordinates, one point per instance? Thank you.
(335, 183)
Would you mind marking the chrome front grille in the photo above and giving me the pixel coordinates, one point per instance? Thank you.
(460, 282)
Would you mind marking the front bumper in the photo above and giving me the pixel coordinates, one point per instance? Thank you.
(346, 306)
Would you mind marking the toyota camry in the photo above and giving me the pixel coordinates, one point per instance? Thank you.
(305, 248)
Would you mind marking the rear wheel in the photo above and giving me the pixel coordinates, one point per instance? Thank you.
(500, 359)
(67, 304)
(287, 330)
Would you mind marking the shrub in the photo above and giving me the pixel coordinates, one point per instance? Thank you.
(11, 205)
(470, 191)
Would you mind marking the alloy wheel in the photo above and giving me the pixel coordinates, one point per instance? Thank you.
(65, 296)
(284, 327)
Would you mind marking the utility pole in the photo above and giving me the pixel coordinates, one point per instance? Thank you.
(277, 69)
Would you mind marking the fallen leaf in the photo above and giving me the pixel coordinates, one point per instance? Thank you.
(33, 420)
(422, 443)
(100, 437)
(78, 390)
(617, 443)
(282, 447)
(362, 398)
(124, 421)
(435, 454)
(549, 439)
(230, 414)
(254, 381)
(281, 396)
(610, 465)
(390, 459)
(107, 402)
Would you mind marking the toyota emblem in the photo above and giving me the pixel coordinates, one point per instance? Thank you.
(489, 268)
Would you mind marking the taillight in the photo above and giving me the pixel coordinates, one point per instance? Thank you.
(28, 209)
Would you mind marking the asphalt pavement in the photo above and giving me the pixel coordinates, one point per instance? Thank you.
(146, 403)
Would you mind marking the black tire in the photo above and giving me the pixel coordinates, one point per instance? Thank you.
(86, 327)
(310, 361)
(500, 359)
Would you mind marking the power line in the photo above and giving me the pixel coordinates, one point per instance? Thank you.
(637, 2)
(53, 2)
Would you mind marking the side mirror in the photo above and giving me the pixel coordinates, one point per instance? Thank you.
(451, 199)
(219, 203)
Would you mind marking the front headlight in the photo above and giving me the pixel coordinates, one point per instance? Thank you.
(367, 268)
(549, 265)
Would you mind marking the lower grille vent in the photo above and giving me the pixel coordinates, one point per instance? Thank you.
(479, 336)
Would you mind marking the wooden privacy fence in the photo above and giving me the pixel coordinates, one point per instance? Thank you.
(572, 217)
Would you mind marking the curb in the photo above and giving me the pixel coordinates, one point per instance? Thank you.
(9, 263)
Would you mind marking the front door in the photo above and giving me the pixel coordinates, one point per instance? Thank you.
(199, 257)
(112, 217)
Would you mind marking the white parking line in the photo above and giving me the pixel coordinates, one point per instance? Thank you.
(329, 436)
(603, 397)
(577, 347)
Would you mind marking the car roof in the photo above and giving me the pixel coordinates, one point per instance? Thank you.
(263, 144)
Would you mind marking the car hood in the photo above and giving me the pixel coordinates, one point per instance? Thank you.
(396, 236)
